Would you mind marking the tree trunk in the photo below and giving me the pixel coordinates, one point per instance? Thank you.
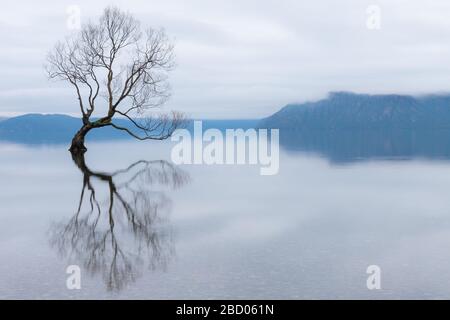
(77, 145)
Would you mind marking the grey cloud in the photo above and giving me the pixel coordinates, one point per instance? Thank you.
(245, 58)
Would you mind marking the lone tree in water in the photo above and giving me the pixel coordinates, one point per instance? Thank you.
(126, 67)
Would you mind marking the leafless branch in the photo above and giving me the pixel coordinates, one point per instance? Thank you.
(128, 67)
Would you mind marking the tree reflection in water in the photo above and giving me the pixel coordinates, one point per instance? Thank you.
(118, 236)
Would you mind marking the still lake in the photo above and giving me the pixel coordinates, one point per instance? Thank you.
(224, 232)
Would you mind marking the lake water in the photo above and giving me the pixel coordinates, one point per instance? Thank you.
(201, 232)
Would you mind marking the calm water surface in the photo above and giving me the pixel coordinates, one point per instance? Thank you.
(220, 231)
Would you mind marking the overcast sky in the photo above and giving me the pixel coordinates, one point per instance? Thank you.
(245, 58)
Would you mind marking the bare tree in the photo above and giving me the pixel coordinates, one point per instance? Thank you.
(116, 60)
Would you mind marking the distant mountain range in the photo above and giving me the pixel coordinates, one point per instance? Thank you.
(347, 127)
(345, 110)
(57, 128)
(343, 127)
(54, 128)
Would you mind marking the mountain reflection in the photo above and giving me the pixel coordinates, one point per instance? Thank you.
(342, 146)
(121, 222)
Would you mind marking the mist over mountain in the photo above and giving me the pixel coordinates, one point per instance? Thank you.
(347, 127)
(343, 127)
(345, 110)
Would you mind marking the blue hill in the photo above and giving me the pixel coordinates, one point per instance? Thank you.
(57, 128)
(51, 128)
(345, 110)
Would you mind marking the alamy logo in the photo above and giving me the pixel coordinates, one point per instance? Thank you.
(235, 147)
(73, 21)
(73, 281)
(374, 280)
(373, 21)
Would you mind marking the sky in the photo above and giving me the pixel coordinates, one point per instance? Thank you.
(246, 58)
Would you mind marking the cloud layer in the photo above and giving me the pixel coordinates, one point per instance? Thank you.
(244, 59)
